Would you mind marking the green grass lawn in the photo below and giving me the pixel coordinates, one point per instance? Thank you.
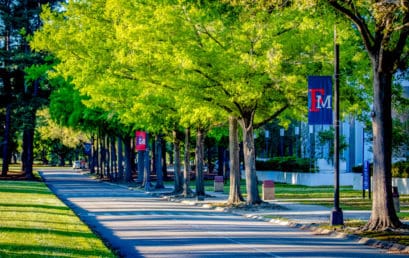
(320, 195)
(35, 223)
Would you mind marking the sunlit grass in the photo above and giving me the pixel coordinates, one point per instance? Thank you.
(35, 223)
(319, 195)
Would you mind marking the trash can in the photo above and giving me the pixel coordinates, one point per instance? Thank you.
(268, 190)
(218, 184)
(395, 196)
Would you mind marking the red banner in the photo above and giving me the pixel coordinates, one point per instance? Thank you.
(140, 140)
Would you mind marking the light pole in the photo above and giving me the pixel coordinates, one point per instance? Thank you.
(336, 213)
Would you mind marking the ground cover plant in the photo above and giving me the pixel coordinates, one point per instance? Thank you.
(35, 223)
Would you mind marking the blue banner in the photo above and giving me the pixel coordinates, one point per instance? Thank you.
(87, 148)
(366, 176)
(320, 100)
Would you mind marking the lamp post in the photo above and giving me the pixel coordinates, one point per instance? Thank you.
(336, 213)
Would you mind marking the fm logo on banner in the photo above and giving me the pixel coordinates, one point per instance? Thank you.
(319, 100)
(140, 138)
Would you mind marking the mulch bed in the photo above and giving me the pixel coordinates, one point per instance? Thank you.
(16, 176)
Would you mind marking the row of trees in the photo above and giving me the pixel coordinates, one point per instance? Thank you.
(176, 66)
(24, 88)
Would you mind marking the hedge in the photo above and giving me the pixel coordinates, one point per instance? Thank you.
(287, 164)
(399, 169)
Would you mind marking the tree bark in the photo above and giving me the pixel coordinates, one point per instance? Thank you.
(383, 213)
(178, 186)
(186, 168)
(199, 156)
(120, 159)
(108, 157)
(158, 162)
(28, 144)
(101, 157)
(114, 162)
(147, 167)
(141, 165)
(163, 159)
(235, 195)
(6, 143)
(128, 159)
(95, 155)
(246, 123)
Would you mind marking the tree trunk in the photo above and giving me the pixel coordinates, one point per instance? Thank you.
(178, 187)
(186, 168)
(114, 165)
(235, 196)
(128, 159)
(95, 152)
(147, 167)
(133, 157)
(6, 146)
(101, 157)
(199, 155)
(246, 122)
(141, 165)
(28, 143)
(108, 157)
(383, 212)
(163, 159)
(120, 160)
(158, 161)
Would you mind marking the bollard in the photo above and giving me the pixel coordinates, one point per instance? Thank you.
(395, 196)
(218, 183)
(268, 190)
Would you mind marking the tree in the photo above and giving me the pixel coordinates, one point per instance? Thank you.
(234, 58)
(61, 139)
(235, 195)
(25, 86)
(384, 29)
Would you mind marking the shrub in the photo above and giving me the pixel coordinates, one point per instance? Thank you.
(399, 169)
(289, 163)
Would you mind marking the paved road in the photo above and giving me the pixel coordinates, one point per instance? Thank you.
(138, 225)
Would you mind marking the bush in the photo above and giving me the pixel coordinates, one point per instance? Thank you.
(399, 169)
(289, 163)
(358, 169)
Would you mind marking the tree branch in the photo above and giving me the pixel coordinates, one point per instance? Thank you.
(356, 18)
(403, 36)
(273, 116)
(213, 81)
(206, 31)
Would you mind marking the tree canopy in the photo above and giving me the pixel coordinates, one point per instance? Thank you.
(158, 65)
